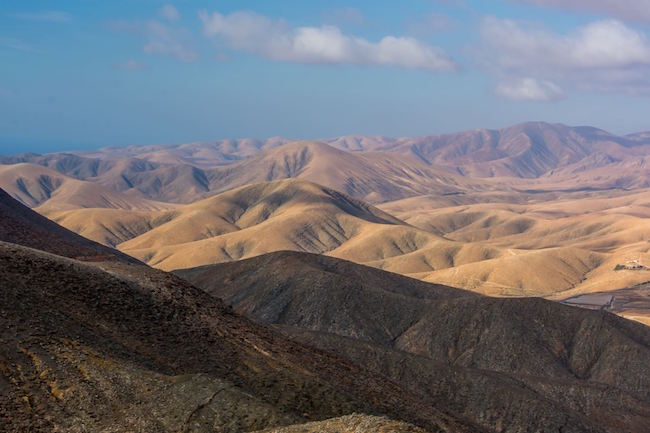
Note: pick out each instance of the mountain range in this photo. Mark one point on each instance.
(94, 340)
(376, 169)
(535, 209)
(99, 342)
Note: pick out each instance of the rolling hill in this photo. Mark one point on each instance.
(482, 247)
(38, 186)
(533, 209)
(372, 177)
(480, 354)
(581, 237)
(527, 150)
(112, 345)
(260, 218)
(527, 158)
(96, 345)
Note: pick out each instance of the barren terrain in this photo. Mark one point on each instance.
(532, 210)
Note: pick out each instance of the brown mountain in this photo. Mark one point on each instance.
(38, 186)
(529, 157)
(527, 150)
(372, 177)
(281, 215)
(123, 347)
(371, 168)
(109, 345)
(484, 247)
(205, 154)
(333, 295)
(20, 225)
(569, 199)
(480, 354)
(134, 177)
(368, 178)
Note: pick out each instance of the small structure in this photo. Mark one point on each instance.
(631, 265)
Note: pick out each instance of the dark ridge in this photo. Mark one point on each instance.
(545, 362)
(138, 349)
(23, 226)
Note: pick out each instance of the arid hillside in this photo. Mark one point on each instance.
(108, 344)
(537, 358)
(112, 345)
(528, 150)
(535, 209)
(371, 177)
(37, 186)
(502, 248)
(355, 423)
(21, 225)
(529, 157)
(591, 241)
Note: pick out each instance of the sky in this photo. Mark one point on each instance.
(85, 74)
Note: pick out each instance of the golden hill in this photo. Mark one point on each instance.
(35, 185)
(252, 220)
(302, 216)
(373, 177)
(102, 343)
(282, 215)
(534, 209)
(561, 246)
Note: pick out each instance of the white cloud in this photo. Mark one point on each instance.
(160, 38)
(602, 55)
(44, 16)
(170, 13)
(276, 40)
(163, 39)
(634, 10)
(529, 89)
(601, 44)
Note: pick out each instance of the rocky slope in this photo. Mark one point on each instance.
(114, 346)
(547, 363)
(20, 225)
(355, 423)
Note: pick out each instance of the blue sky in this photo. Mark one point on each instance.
(85, 74)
